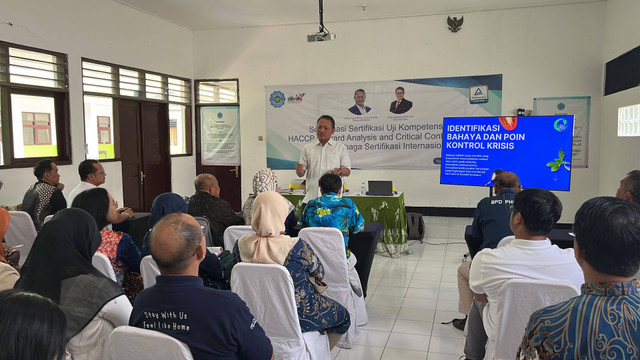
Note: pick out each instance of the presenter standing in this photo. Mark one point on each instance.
(321, 156)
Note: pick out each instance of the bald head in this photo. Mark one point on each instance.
(207, 183)
(176, 244)
(507, 180)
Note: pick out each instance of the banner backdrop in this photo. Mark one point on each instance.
(386, 136)
(580, 108)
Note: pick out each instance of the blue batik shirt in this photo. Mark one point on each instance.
(602, 323)
(330, 210)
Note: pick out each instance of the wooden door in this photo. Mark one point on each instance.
(144, 152)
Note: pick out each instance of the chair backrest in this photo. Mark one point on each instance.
(149, 270)
(22, 232)
(518, 299)
(328, 244)
(235, 232)
(206, 229)
(101, 262)
(47, 218)
(269, 293)
(132, 343)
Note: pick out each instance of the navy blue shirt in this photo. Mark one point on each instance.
(216, 324)
(491, 220)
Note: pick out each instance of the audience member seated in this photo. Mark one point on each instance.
(602, 323)
(92, 175)
(331, 210)
(207, 202)
(269, 246)
(8, 275)
(490, 225)
(216, 324)
(118, 247)
(59, 268)
(169, 203)
(45, 196)
(630, 187)
(529, 256)
(31, 327)
(266, 180)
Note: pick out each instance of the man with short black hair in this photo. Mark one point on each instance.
(215, 324)
(630, 187)
(359, 108)
(92, 175)
(490, 225)
(45, 196)
(331, 210)
(601, 323)
(529, 256)
(401, 105)
(321, 156)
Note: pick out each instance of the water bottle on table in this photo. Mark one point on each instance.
(363, 189)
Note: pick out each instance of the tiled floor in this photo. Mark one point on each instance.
(409, 297)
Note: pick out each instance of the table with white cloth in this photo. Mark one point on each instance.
(386, 210)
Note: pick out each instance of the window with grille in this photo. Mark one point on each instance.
(35, 121)
(104, 82)
(629, 121)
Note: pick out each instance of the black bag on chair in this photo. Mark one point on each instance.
(415, 226)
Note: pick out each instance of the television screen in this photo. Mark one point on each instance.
(536, 148)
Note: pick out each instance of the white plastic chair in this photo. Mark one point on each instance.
(47, 218)
(21, 233)
(132, 343)
(235, 232)
(328, 244)
(518, 299)
(101, 262)
(149, 270)
(269, 293)
(206, 229)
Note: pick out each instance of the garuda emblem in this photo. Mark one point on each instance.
(454, 24)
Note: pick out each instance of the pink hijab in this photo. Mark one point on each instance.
(267, 245)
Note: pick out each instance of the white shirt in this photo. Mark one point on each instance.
(77, 190)
(93, 341)
(319, 159)
(363, 109)
(521, 259)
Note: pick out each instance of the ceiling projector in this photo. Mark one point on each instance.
(321, 36)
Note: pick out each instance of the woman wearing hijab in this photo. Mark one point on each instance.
(8, 275)
(267, 246)
(117, 246)
(266, 180)
(59, 268)
(169, 203)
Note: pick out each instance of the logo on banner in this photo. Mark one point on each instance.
(561, 106)
(560, 125)
(219, 115)
(277, 99)
(295, 99)
(479, 94)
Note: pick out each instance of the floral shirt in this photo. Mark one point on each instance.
(121, 251)
(602, 323)
(330, 210)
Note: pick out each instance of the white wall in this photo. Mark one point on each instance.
(618, 155)
(101, 30)
(541, 51)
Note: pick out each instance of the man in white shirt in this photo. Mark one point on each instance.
(92, 175)
(321, 156)
(529, 256)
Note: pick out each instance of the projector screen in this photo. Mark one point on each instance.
(536, 148)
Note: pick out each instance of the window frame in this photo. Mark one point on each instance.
(116, 94)
(61, 104)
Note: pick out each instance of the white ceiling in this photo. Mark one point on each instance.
(229, 14)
